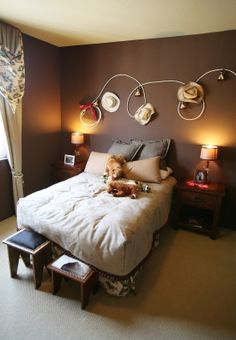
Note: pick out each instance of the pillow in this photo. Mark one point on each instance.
(96, 163)
(166, 173)
(152, 148)
(127, 150)
(145, 170)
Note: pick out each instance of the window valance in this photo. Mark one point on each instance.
(12, 70)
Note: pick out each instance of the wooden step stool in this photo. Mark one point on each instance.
(29, 245)
(70, 268)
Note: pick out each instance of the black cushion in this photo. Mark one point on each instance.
(28, 239)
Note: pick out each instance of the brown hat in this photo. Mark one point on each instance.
(191, 92)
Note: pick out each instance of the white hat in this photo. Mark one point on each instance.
(144, 113)
(191, 92)
(110, 102)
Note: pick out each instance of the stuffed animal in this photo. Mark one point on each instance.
(120, 188)
(114, 167)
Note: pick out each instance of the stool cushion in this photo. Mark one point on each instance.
(28, 239)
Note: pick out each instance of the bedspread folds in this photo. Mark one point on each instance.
(110, 233)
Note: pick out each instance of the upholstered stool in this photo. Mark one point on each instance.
(29, 245)
(70, 268)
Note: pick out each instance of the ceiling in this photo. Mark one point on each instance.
(79, 22)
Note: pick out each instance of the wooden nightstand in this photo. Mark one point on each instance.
(62, 171)
(198, 207)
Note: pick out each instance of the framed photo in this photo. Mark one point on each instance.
(200, 176)
(69, 159)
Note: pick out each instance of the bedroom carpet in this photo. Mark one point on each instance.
(187, 290)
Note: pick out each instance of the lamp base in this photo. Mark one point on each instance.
(77, 154)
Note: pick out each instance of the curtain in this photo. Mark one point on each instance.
(12, 84)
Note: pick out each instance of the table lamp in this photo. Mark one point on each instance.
(77, 138)
(208, 153)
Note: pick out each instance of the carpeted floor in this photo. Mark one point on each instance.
(187, 290)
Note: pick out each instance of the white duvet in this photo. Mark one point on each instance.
(112, 234)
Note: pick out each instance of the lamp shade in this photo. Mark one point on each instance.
(209, 152)
(77, 138)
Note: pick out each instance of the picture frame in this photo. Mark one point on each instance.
(69, 159)
(200, 176)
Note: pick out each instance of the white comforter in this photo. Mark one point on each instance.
(112, 234)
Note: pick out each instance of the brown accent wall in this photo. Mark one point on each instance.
(85, 69)
(41, 125)
(6, 198)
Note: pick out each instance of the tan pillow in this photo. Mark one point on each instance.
(96, 163)
(166, 173)
(145, 170)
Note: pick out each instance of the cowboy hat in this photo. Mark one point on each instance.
(110, 102)
(144, 113)
(191, 92)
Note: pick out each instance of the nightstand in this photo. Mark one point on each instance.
(198, 206)
(63, 171)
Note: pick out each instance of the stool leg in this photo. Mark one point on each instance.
(13, 255)
(37, 269)
(56, 282)
(84, 295)
(40, 260)
(48, 257)
(87, 287)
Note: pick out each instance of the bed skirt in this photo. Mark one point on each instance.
(115, 285)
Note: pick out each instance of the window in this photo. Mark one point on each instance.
(2, 141)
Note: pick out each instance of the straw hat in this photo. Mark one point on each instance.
(110, 102)
(191, 92)
(144, 113)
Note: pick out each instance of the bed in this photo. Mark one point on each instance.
(114, 235)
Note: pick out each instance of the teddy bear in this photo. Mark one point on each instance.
(114, 167)
(120, 188)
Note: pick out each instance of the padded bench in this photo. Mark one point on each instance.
(29, 245)
(70, 268)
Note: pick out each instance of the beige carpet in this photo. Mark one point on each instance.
(187, 290)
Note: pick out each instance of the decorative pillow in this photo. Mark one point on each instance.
(127, 150)
(145, 170)
(166, 173)
(152, 148)
(96, 163)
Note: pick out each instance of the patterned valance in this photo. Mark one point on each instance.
(12, 70)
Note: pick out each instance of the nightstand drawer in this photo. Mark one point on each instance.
(198, 199)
